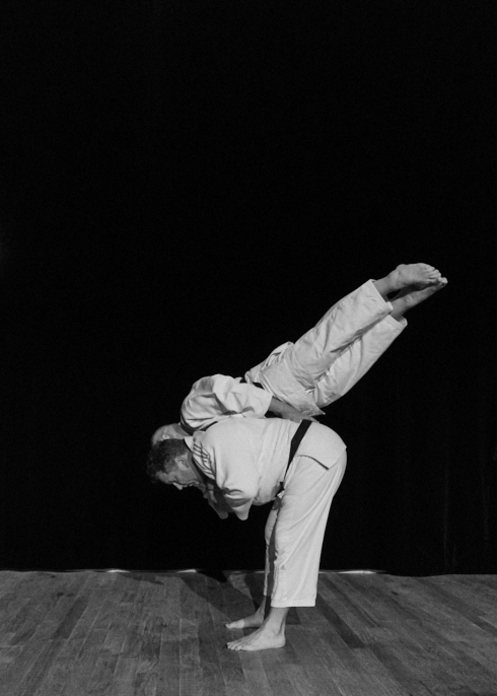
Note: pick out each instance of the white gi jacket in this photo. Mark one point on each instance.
(247, 457)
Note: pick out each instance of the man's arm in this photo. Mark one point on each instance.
(228, 452)
(218, 396)
(215, 498)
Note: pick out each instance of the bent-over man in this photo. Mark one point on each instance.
(241, 462)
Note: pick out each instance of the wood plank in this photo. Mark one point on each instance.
(83, 666)
(169, 661)
(146, 674)
(383, 678)
(277, 665)
(401, 671)
(423, 639)
(101, 678)
(128, 680)
(434, 659)
(344, 669)
(225, 601)
(145, 680)
(146, 634)
(460, 605)
(54, 681)
(31, 601)
(209, 645)
(316, 669)
(33, 631)
(331, 587)
(251, 586)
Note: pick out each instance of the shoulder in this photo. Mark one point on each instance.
(227, 426)
(233, 428)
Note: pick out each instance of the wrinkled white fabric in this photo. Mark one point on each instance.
(219, 396)
(247, 457)
(332, 356)
(295, 530)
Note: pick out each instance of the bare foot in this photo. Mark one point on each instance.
(411, 296)
(262, 639)
(253, 621)
(405, 275)
(419, 274)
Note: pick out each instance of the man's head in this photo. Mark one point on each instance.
(170, 461)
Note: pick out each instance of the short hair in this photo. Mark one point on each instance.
(162, 457)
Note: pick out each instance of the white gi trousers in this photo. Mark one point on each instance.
(295, 530)
(332, 356)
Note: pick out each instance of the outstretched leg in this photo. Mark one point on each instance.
(360, 356)
(349, 319)
(411, 296)
(314, 352)
(293, 371)
(355, 361)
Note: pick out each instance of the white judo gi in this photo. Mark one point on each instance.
(247, 460)
(322, 366)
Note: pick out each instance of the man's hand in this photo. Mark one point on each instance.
(286, 411)
(215, 498)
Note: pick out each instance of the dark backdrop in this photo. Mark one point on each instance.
(185, 185)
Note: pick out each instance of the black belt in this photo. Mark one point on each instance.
(294, 444)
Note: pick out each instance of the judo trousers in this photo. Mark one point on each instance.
(295, 530)
(329, 359)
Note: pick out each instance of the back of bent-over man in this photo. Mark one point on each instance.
(246, 460)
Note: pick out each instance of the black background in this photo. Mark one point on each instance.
(184, 186)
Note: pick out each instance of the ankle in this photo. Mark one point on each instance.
(273, 628)
(276, 620)
(399, 308)
(260, 611)
(384, 286)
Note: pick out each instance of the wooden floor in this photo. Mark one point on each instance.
(161, 634)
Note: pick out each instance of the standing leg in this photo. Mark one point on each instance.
(301, 518)
(257, 618)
